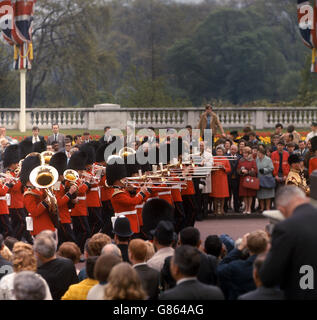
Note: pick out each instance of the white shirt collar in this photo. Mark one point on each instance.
(139, 264)
(185, 279)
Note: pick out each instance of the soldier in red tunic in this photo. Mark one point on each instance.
(92, 197)
(105, 194)
(64, 196)
(122, 201)
(35, 200)
(79, 212)
(11, 158)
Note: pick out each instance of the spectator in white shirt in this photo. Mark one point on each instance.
(163, 239)
(313, 133)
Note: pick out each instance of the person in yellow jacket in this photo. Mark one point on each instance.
(80, 290)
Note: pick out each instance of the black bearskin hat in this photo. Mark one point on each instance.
(116, 169)
(90, 151)
(78, 161)
(313, 142)
(293, 158)
(153, 212)
(28, 165)
(59, 162)
(131, 165)
(39, 146)
(26, 147)
(100, 153)
(11, 155)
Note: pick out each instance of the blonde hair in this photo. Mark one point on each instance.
(23, 258)
(150, 250)
(247, 149)
(6, 253)
(124, 284)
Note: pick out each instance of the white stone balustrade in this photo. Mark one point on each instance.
(99, 116)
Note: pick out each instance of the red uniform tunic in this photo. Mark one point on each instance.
(190, 189)
(92, 195)
(176, 192)
(219, 180)
(312, 165)
(165, 193)
(3, 199)
(124, 204)
(80, 208)
(33, 201)
(62, 201)
(105, 192)
(16, 195)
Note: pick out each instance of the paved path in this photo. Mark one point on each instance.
(235, 228)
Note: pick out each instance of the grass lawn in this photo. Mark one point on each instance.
(96, 134)
(48, 132)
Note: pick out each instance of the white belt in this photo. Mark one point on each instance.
(94, 189)
(125, 213)
(151, 198)
(81, 198)
(3, 198)
(164, 193)
(139, 206)
(177, 187)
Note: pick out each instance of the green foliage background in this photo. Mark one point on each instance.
(163, 53)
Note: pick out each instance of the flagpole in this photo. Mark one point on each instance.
(22, 125)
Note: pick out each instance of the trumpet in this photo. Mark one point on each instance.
(90, 178)
(7, 175)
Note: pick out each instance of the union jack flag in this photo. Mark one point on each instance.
(19, 16)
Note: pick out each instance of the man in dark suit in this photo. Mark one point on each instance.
(235, 274)
(292, 258)
(261, 292)
(150, 277)
(207, 272)
(35, 136)
(184, 267)
(107, 137)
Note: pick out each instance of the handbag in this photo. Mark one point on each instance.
(251, 183)
(267, 182)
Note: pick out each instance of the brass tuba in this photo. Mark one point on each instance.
(44, 177)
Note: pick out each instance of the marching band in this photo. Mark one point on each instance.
(84, 196)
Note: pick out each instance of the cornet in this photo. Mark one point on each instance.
(71, 175)
(46, 157)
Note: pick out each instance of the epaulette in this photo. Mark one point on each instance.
(117, 191)
(30, 191)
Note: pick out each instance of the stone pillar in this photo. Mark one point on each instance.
(107, 115)
(259, 119)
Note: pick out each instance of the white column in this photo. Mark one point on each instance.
(22, 124)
